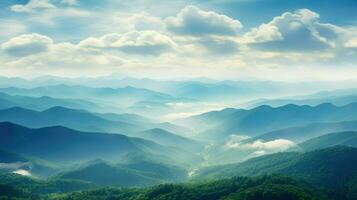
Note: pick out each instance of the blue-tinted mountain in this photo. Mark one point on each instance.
(302, 133)
(43, 102)
(125, 175)
(167, 138)
(329, 140)
(264, 119)
(8, 157)
(336, 100)
(121, 96)
(61, 116)
(61, 144)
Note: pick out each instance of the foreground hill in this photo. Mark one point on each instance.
(264, 119)
(126, 175)
(335, 166)
(64, 144)
(261, 188)
(332, 139)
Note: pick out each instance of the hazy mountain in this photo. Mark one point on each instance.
(125, 175)
(339, 101)
(166, 138)
(302, 133)
(44, 102)
(107, 175)
(331, 139)
(126, 117)
(264, 119)
(333, 166)
(121, 96)
(63, 144)
(8, 157)
(61, 116)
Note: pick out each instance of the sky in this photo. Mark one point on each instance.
(166, 39)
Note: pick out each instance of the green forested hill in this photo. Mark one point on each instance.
(333, 166)
(260, 188)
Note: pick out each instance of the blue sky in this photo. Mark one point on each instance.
(223, 39)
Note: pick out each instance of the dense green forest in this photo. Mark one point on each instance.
(264, 188)
(322, 174)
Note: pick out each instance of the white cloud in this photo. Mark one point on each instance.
(195, 22)
(22, 172)
(260, 146)
(32, 5)
(10, 28)
(135, 42)
(27, 44)
(298, 31)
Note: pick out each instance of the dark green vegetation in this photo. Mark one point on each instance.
(333, 167)
(261, 188)
(322, 174)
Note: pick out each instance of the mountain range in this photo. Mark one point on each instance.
(263, 119)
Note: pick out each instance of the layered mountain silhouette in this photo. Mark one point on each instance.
(302, 133)
(60, 144)
(44, 102)
(125, 175)
(259, 120)
(61, 116)
(167, 138)
(329, 140)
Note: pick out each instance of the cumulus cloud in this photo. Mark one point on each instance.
(259, 146)
(32, 5)
(195, 22)
(297, 31)
(27, 44)
(135, 42)
(11, 28)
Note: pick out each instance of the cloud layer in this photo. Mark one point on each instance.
(187, 39)
(26, 45)
(196, 22)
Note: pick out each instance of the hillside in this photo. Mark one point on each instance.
(64, 144)
(166, 138)
(125, 175)
(61, 116)
(333, 166)
(332, 139)
(261, 188)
